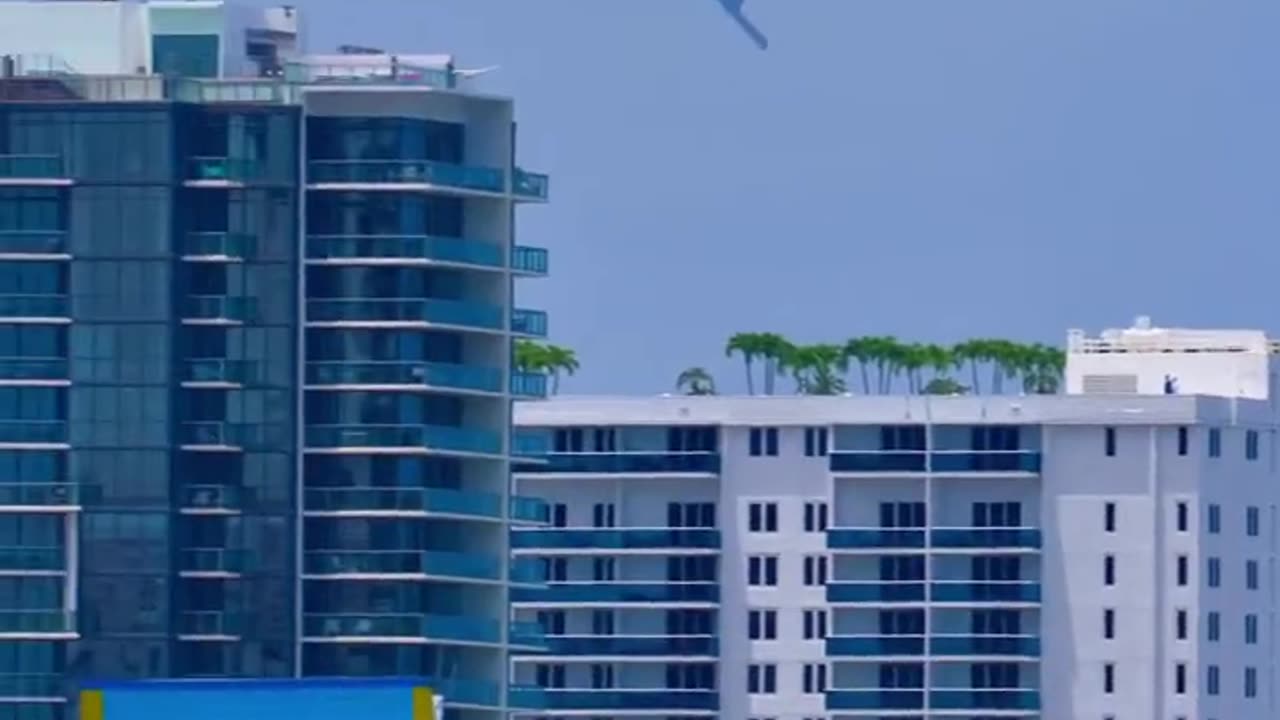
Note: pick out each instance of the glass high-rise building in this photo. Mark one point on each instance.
(256, 319)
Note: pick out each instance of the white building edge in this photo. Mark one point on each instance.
(1101, 554)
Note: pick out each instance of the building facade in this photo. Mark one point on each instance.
(1049, 557)
(255, 359)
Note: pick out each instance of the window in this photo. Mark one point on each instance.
(1180, 624)
(1180, 678)
(903, 514)
(762, 625)
(1251, 574)
(763, 441)
(1182, 440)
(1109, 678)
(691, 515)
(1184, 570)
(1183, 520)
(815, 678)
(815, 570)
(762, 679)
(1215, 572)
(1109, 624)
(1215, 442)
(997, 514)
(1109, 570)
(601, 677)
(550, 676)
(1211, 681)
(1213, 628)
(552, 621)
(1109, 441)
(771, 441)
(1251, 521)
(602, 622)
(559, 515)
(1251, 629)
(1250, 444)
(1250, 682)
(556, 569)
(604, 569)
(815, 624)
(762, 570)
(815, 517)
(815, 441)
(604, 515)
(1215, 519)
(762, 517)
(1109, 517)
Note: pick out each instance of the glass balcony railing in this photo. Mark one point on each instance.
(213, 244)
(404, 499)
(465, 692)
(983, 592)
(1018, 645)
(838, 538)
(212, 434)
(210, 622)
(375, 310)
(33, 242)
(427, 437)
(620, 592)
(402, 562)
(32, 558)
(529, 260)
(529, 322)
(643, 463)
(33, 368)
(30, 685)
(412, 172)
(985, 461)
(530, 444)
(875, 592)
(212, 560)
(35, 167)
(529, 635)
(37, 621)
(219, 308)
(408, 625)
(41, 432)
(875, 645)
(211, 497)
(527, 697)
(404, 247)
(444, 375)
(367, 73)
(617, 539)
(639, 699)
(633, 645)
(877, 462)
(222, 169)
(529, 384)
(985, 537)
(530, 510)
(218, 370)
(39, 494)
(985, 699)
(531, 185)
(528, 571)
(41, 306)
(875, 699)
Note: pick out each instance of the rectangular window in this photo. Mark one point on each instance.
(815, 570)
(1109, 678)
(1251, 521)
(815, 678)
(762, 517)
(1184, 570)
(604, 569)
(1213, 629)
(602, 622)
(1180, 624)
(1180, 679)
(601, 677)
(1250, 629)
(762, 679)
(1215, 519)
(815, 442)
(604, 515)
(1250, 682)
(771, 441)
(1250, 444)
(550, 676)
(1109, 517)
(1182, 440)
(1215, 572)
(1183, 519)
(1215, 442)
(1109, 441)
(1251, 574)
(1109, 624)
(559, 515)
(1211, 680)
(756, 441)
(815, 624)
(762, 624)
(762, 571)
(815, 517)
(1109, 570)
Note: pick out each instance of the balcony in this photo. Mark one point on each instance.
(530, 510)
(39, 494)
(406, 172)
(218, 371)
(213, 434)
(402, 562)
(875, 645)
(875, 699)
(633, 645)
(986, 538)
(532, 323)
(530, 185)
(528, 571)
(616, 593)
(996, 645)
(985, 699)
(19, 169)
(407, 248)
(210, 623)
(527, 635)
(475, 378)
(33, 432)
(30, 685)
(221, 170)
(639, 699)
(875, 592)
(458, 313)
(526, 260)
(210, 498)
(877, 462)
(617, 539)
(632, 463)
(421, 437)
(530, 445)
(214, 245)
(35, 306)
(217, 309)
(33, 242)
(1017, 461)
(530, 385)
(527, 697)
(419, 500)
(213, 561)
(406, 625)
(985, 592)
(875, 538)
(35, 559)
(368, 73)
(42, 622)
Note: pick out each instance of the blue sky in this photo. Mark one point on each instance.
(931, 170)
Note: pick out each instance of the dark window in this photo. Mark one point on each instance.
(1182, 441)
(1109, 441)
(1109, 570)
(1109, 517)
(1109, 624)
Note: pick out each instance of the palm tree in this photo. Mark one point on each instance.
(1042, 368)
(529, 357)
(944, 386)
(863, 350)
(750, 346)
(913, 358)
(939, 359)
(975, 352)
(559, 360)
(774, 349)
(886, 353)
(696, 381)
(818, 369)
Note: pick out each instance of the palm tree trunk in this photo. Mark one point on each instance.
(866, 378)
(751, 386)
(770, 370)
(555, 382)
(973, 368)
